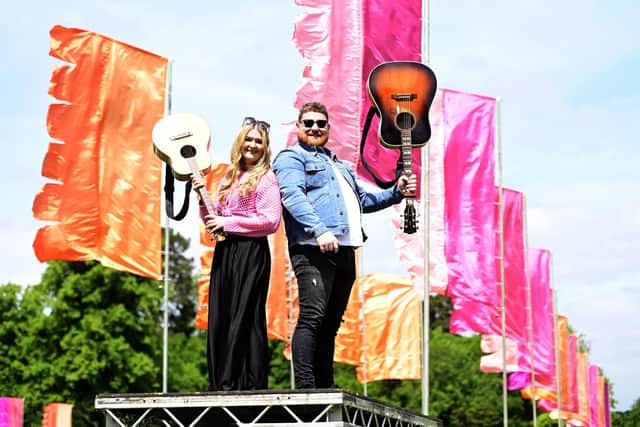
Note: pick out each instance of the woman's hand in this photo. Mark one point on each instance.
(198, 183)
(214, 223)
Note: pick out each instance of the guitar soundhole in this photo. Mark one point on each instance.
(405, 120)
(188, 151)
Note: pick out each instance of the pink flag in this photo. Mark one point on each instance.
(468, 129)
(340, 43)
(392, 31)
(492, 362)
(410, 247)
(469, 191)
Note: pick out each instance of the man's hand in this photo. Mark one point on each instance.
(408, 185)
(327, 242)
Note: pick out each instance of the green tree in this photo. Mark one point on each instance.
(630, 418)
(187, 370)
(440, 307)
(183, 285)
(84, 330)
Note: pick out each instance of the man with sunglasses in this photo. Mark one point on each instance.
(323, 204)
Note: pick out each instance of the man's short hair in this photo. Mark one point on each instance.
(315, 107)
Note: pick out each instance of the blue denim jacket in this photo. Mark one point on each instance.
(311, 193)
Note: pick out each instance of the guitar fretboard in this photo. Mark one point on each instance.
(204, 194)
(407, 155)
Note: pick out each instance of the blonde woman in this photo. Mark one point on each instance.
(247, 209)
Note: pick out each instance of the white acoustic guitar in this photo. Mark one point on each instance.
(182, 141)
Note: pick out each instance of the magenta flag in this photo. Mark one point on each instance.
(470, 317)
(515, 281)
(593, 395)
(469, 191)
(542, 314)
(11, 414)
(607, 406)
(515, 284)
(572, 377)
(518, 380)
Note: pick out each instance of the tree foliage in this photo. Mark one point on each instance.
(86, 330)
(627, 418)
(183, 295)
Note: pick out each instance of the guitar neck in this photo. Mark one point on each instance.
(407, 155)
(202, 192)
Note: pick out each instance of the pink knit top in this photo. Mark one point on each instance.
(255, 215)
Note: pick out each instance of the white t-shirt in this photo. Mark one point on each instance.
(354, 236)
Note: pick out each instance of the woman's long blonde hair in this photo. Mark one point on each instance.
(237, 166)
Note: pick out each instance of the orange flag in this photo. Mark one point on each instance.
(389, 308)
(583, 388)
(282, 300)
(349, 341)
(206, 256)
(547, 389)
(57, 415)
(601, 401)
(105, 204)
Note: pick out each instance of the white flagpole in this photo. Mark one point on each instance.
(527, 271)
(426, 327)
(505, 409)
(165, 336)
(556, 333)
(363, 324)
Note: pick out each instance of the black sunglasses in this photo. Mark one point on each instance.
(308, 123)
(251, 121)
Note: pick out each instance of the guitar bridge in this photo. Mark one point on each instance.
(181, 136)
(403, 97)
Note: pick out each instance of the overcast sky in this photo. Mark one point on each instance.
(567, 74)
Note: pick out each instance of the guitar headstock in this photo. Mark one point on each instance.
(410, 222)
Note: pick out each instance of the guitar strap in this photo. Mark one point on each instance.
(365, 131)
(168, 195)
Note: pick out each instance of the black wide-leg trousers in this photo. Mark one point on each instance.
(237, 347)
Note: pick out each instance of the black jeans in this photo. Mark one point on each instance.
(324, 284)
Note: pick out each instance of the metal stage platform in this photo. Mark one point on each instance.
(277, 408)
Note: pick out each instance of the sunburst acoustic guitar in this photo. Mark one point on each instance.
(402, 93)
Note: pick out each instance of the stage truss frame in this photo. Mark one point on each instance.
(275, 408)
